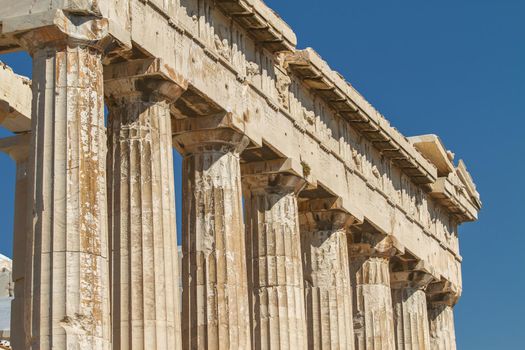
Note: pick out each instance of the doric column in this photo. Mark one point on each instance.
(441, 298)
(215, 309)
(373, 314)
(143, 233)
(18, 149)
(442, 333)
(327, 276)
(274, 260)
(410, 308)
(68, 288)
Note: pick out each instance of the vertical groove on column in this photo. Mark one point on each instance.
(328, 290)
(215, 295)
(410, 319)
(276, 277)
(373, 315)
(21, 235)
(442, 333)
(145, 263)
(69, 282)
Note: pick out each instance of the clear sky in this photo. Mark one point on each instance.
(453, 68)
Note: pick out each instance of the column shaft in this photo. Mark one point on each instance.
(18, 148)
(22, 229)
(327, 281)
(215, 294)
(69, 292)
(370, 273)
(145, 272)
(274, 258)
(411, 319)
(442, 334)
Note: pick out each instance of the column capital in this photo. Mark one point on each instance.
(368, 244)
(443, 293)
(223, 140)
(69, 29)
(17, 147)
(410, 273)
(146, 80)
(272, 176)
(325, 214)
(410, 279)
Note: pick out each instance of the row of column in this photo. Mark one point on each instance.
(290, 279)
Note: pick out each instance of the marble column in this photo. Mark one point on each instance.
(410, 309)
(143, 231)
(215, 308)
(274, 261)
(17, 147)
(67, 258)
(327, 279)
(370, 274)
(441, 323)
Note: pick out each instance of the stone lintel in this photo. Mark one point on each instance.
(17, 147)
(150, 78)
(73, 20)
(15, 100)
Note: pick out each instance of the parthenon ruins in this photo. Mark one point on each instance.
(308, 221)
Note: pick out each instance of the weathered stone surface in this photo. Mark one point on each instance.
(6, 295)
(442, 332)
(68, 287)
(246, 96)
(215, 307)
(410, 309)
(18, 148)
(370, 273)
(274, 261)
(327, 279)
(15, 100)
(145, 268)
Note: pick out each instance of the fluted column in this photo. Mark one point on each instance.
(143, 232)
(327, 279)
(274, 261)
(442, 333)
(68, 291)
(373, 314)
(441, 298)
(215, 309)
(410, 309)
(18, 148)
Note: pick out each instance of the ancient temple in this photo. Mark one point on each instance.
(309, 222)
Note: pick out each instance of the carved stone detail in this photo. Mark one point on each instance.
(274, 261)
(327, 280)
(145, 276)
(442, 333)
(370, 275)
(68, 287)
(215, 306)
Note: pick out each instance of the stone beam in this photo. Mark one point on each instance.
(15, 100)
(273, 100)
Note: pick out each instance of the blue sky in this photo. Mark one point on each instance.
(453, 68)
